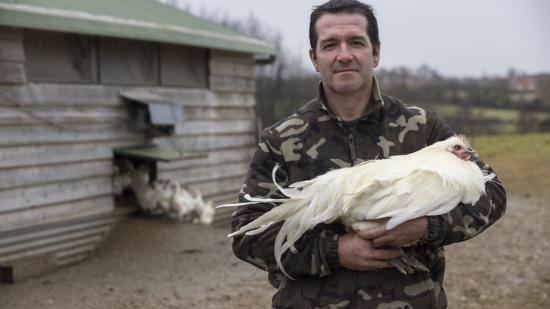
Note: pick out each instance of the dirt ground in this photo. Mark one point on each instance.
(157, 264)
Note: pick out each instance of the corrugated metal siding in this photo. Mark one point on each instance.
(147, 20)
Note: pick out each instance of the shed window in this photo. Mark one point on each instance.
(127, 62)
(183, 66)
(59, 57)
(64, 57)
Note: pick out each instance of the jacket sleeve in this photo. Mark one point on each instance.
(464, 221)
(316, 250)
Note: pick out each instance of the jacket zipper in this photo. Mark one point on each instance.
(353, 152)
(353, 156)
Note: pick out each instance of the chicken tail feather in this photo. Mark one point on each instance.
(489, 177)
(236, 204)
(289, 192)
(276, 214)
(254, 200)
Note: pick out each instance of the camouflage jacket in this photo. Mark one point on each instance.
(313, 141)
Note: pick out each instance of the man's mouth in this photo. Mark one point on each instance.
(345, 68)
(345, 71)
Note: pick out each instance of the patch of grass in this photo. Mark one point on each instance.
(522, 162)
(506, 114)
(506, 128)
(502, 114)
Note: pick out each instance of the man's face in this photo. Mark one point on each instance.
(344, 55)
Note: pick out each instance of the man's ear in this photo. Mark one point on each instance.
(314, 60)
(376, 55)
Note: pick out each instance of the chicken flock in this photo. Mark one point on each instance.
(431, 181)
(163, 196)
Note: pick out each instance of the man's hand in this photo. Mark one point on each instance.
(370, 249)
(357, 253)
(406, 233)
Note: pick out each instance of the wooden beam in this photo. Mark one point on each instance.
(208, 142)
(41, 234)
(75, 258)
(27, 197)
(35, 175)
(206, 173)
(67, 254)
(232, 57)
(108, 95)
(33, 155)
(232, 84)
(11, 115)
(214, 157)
(60, 95)
(26, 156)
(62, 114)
(93, 237)
(54, 213)
(13, 135)
(218, 113)
(202, 127)
(233, 69)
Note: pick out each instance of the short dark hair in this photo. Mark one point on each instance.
(347, 7)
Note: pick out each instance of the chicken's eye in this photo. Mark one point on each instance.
(457, 147)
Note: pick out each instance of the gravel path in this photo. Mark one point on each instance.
(151, 263)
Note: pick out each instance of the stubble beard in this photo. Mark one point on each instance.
(348, 86)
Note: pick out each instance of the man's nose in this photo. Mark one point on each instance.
(344, 53)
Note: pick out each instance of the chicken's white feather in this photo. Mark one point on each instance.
(430, 181)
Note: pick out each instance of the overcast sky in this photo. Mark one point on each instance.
(457, 38)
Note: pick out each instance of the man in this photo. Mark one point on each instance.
(352, 121)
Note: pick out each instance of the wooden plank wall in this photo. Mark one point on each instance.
(12, 57)
(226, 130)
(56, 141)
(56, 202)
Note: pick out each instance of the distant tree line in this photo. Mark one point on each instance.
(285, 85)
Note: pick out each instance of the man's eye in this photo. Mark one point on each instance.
(327, 46)
(358, 43)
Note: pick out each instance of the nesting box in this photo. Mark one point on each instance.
(151, 114)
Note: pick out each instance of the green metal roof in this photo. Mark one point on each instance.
(147, 20)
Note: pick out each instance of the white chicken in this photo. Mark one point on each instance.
(147, 194)
(428, 182)
(166, 189)
(205, 210)
(182, 205)
(168, 197)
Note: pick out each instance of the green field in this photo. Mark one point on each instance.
(501, 114)
(522, 162)
(493, 120)
(506, 115)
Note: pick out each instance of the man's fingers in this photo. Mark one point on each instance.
(386, 254)
(359, 254)
(384, 240)
(403, 234)
(372, 233)
(375, 265)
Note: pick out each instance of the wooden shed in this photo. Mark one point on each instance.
(67, 69)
